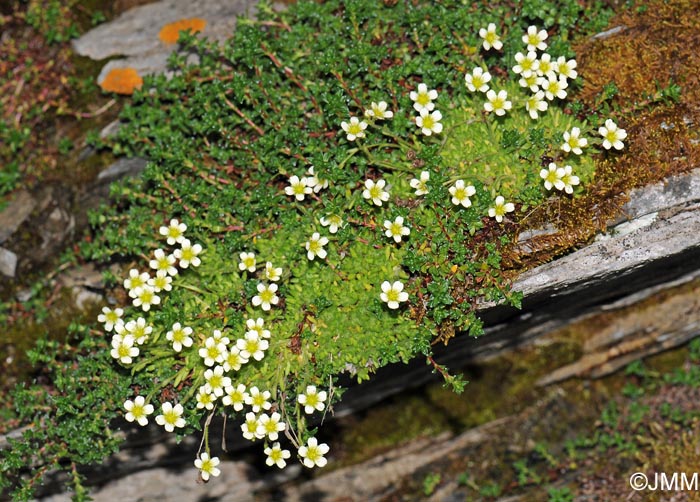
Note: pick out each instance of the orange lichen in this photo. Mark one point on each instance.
(122, 81)
(170, 33)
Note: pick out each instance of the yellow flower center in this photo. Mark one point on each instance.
(270, 426)
(213, 352)
(174, 232)
(392, 296)
(188, 254)
(375, 192)
(313, 453)
(314, 247)
(298, 190)
(311, 400)
(498, 103)
(137, 411)
(251, 346)
(460, 194)
(215, 381)
(112, 317)
(266, 295)
(276, 455)
(258, 400)
(236, 396)
(428, 122)
(491, 37)
(396, 229)
(478, 81)
(552, 177)
(170, 417)
(146, 296)
(423, 99)
(123, 351)
(354, 129)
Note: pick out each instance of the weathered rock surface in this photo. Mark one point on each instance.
(16, 212)
(134, 34)
(8, 262)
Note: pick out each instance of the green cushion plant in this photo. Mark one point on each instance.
(311, 213)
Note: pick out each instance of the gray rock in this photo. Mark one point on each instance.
(135, 33)
(15, 214)
(8, 262)
(122, 167)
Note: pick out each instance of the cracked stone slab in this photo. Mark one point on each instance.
(134, 34)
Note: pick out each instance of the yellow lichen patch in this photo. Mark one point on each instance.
(170, 33)
(122, 81)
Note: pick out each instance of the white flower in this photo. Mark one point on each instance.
(546, 67)
(248, 262)
(298, 187)
(535, 39)
(251, 427)
(501, 207)
(572, 141)
(171, 416)
(267, 296)
(258, 400)
(205, 399)
(421, 184)
(554, 87)
(235, 396)
(161, 282)
(216, 381)
(531, 82)
(460, 193)
(375, 192)
(313, 453)
(123, 348)
(393, 294)
(569, 180)
(527, 64)
(491, 39)
(175, 232)
(110, 317)
(312, 400)
(146, 297)
(138, 410)
(333, 222)
(612, 135)
(355, 129)
(276, 456)
(314, 246)
(135, 281)
(423, 98)
(252, 346)
(536, 103)
(396, 229)
(429, 122)
(179, 336)
(271, 425)
(497, 103)
(257, 326)
(477, 80)
(213, 352)
(187, 254)
(233, 359)
(312, 181)
(566, 68)
(139, 330)
(207, 466)
(271, 273)
(163, 262)
(378, 111)
(552, 177)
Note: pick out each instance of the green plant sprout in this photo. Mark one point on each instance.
(338, 278)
